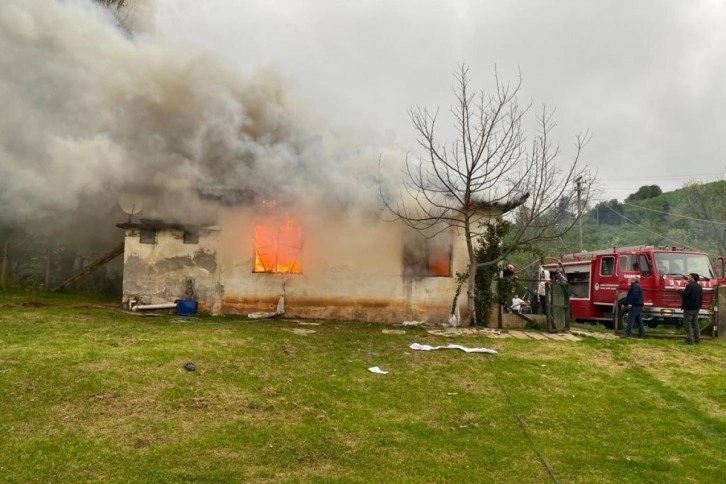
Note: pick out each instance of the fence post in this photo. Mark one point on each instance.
(720, 312)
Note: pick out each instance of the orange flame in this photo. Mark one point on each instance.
(440, 262)
(278, 247)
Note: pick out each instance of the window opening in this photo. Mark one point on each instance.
(191, 237)
(147, 236)
(607, 266)
(680, 264)
(427, 257)
(644, 265)
(278, 247)
(623, 263)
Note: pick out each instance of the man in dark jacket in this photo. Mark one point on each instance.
(634, 303)
(692, 299)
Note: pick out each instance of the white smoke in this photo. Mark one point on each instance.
(92, 113)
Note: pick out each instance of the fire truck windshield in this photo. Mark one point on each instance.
(681, 264)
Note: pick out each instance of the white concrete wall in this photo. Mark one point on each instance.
(157, 273)
(352, 268)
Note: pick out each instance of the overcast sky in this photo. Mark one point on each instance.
(646, 77)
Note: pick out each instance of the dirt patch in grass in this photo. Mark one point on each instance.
(32, 304)
(604, 359)
(123, 417)
(660, 361)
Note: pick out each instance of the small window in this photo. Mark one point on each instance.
(191, 237)
(278, 247)
(623, 263)
(147, 236)
(424, 257)
(607, 267)
(644, 265)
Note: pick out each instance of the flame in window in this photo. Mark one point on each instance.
(278, 247)
(426, 257)
(440, 261)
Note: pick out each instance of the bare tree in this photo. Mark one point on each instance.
(490, 168)
(120, 8)
(113, 4)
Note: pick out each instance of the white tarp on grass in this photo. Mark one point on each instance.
(420, 347)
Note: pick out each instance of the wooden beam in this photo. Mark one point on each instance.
(104, 259)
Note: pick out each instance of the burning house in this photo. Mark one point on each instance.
(322, 262)
(100, 113)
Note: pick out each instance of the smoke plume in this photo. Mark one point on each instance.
(93, 114)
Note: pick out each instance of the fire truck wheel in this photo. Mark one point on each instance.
(621, 315)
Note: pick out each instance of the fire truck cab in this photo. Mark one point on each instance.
(598, 281)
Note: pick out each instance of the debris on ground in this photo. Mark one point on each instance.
(393, 331)
(262, 315)
(411, 324)
(185, 319)
(420, 347)
(593, 334)
(375, 369)
(190, 366)
(299, 330)
(270, 314)
(463, 331)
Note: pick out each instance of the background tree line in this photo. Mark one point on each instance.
(693, 216)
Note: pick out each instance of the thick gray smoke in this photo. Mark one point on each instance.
(92, 114)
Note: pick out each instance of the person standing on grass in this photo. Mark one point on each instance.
(692, 300)
(542, 291)
(634, 303)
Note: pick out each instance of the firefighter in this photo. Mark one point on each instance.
(634, 303)
(692, 300)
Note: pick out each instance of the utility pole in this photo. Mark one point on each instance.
(578, 181)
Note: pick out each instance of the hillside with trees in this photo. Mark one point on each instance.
(693, 216)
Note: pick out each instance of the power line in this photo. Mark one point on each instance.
(652, 231)
(699, 178)
(671, 177)
(671, 214)
(522, 423)
(518, 416)
(675, 214)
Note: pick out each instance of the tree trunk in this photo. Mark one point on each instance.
(471, 292)
(471, 286)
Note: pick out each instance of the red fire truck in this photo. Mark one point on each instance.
(599, 280)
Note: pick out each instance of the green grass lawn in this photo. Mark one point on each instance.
(89, 393)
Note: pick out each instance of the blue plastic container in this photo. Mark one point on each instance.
(185, 307)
